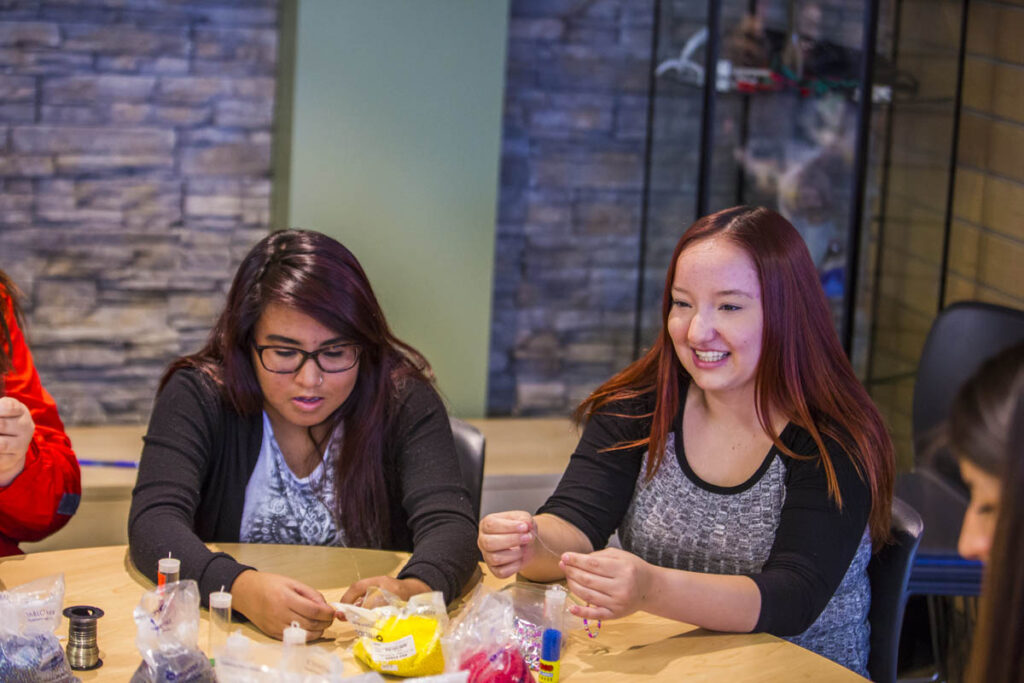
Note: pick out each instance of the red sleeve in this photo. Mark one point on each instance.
(43, 497)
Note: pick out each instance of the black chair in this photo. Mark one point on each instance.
(889, 571)
(469, 446)
(962, 337)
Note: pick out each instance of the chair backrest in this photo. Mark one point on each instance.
(889, 572)
(961, 338)
(469, 446)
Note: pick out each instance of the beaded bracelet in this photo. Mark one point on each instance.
(590, 633)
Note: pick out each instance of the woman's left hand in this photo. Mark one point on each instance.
(403, 588)
(614, 583)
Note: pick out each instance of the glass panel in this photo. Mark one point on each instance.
(910, 223)
(785, 128)
(675, 149)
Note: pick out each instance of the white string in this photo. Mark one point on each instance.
(539, 539)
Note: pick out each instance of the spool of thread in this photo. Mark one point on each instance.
(167, 570)
(82, 650)
(550, 653)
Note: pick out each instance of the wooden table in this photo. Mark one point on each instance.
(641, 647)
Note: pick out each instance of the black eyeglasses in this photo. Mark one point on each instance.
(285, 360)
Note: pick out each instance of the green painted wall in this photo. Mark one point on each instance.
(395, 132)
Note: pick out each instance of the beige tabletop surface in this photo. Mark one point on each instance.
(640, 647)
(533, 445)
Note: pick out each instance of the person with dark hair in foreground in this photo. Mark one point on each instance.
(303, 420)
(744, 466)
(40, 482)
(978, 432)
(985, 433)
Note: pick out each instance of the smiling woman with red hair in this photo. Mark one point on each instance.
(746, 469)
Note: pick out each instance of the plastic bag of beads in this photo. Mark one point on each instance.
(536, 607)
(29, 616)
(399, 638)
(481, 640)
(242, 660)
(167, 634)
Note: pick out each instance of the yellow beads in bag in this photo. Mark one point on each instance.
(403, 646)
(400, 638)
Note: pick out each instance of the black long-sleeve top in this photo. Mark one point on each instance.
(811, 548)
(199, 454)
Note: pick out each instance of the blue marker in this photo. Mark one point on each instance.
(550, 653)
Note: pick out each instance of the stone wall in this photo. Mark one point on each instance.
(569, 202)
(135, 147)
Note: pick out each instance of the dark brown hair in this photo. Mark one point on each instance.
(8, 292)
(978, 428)
(803, 372)
(998, 652)
(314, 274)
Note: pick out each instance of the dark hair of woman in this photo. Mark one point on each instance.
(979, 419)
(998, 652)
(803, 373)
(7, 291)
(314, 274)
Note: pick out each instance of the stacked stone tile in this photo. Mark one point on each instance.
(570, 197)
(135, 172)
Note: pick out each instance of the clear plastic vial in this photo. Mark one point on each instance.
(293, 659)
(220, 621)
(554, 607)
(167, 570)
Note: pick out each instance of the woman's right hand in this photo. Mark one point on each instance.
(16, 430)
(272, 602)
(506, 540)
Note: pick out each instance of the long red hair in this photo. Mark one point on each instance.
(803, 373)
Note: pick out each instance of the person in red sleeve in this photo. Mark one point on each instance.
(40, 483)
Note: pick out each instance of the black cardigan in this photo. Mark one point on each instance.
(199, 454)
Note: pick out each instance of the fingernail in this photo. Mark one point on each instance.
(524, 527)
(525, 538)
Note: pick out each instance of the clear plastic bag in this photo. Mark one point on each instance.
(400, 638)
(481, 640)
(536, 607)
(167, 633)
(242, 660)
(29, 650)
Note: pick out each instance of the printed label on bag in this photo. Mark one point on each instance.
(393, 651)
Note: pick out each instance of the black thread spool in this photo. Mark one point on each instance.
(82, 651)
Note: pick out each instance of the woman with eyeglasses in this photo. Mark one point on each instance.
(303, 420)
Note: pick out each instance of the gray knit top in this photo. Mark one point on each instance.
(716, 531)
(780, 528)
